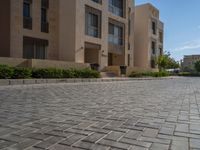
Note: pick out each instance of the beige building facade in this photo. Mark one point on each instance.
(189, 61)
(149, 31)
(82, 31)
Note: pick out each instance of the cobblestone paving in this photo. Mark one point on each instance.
(136, 115)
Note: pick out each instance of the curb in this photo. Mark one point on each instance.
(4, 82)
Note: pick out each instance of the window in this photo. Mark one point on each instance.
(97, 1)
(93, 22)
(44, 17)
(161, 37)
(153, 47)
(153, 63)
(115, 34)
(116, 7)
(161, 51)
(153, 27)
(129, 59)
(26, 9)
(34, 48)
(27, 20)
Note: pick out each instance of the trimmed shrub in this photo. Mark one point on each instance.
(88, 73)
(68, 73)
(59, 73)
(149, 74)
(47, 73)
(21, 73)
(135, 75)
(6, 72)
(160, 74)
(189, 74)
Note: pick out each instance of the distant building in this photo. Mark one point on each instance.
(189, 61)
(149, 33)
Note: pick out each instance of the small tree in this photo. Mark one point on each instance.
(197, 66)
(162, 62)
(165, 61)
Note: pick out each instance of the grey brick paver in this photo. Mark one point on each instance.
(114, 135)
(135, 142)
(157, 146)
(114, 144)
(26, 144)
(48, 143)
(132, 115)
(195, 143)
(179, 143)
(90, 146)
(72, 139)
(94, 137)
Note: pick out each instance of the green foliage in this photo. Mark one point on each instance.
(165, 61)
(149, 74)
(21, 73)
(60, 73)
(197, 66)
(69, 73)
(160, 74)
(47, 73)
(81, 73)
(189, 74)
(6, 72)
(88, 73)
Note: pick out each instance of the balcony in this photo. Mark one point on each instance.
(45, 27)
(115, 45)
(115, 10)
(27, 23)
(93, 31)
(115, 40)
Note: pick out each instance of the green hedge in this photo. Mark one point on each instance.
(149, 74)
(189, 74)
(7, 72)
(22, 73)
(47, 73)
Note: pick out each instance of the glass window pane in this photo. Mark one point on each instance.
(26, 9)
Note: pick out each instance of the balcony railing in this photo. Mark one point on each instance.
(93, 31)
(115, 40)
(115, 10)
(27, 23)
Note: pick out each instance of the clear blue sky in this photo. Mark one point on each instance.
(182, 25)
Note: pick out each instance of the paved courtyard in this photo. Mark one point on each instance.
(135, 115)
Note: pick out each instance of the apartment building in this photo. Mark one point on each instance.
(82, 31)
(189, 61)
(149, 31)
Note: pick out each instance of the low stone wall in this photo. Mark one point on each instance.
(36, 63)
(7, 82)
(14, 62)
(116, 70)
